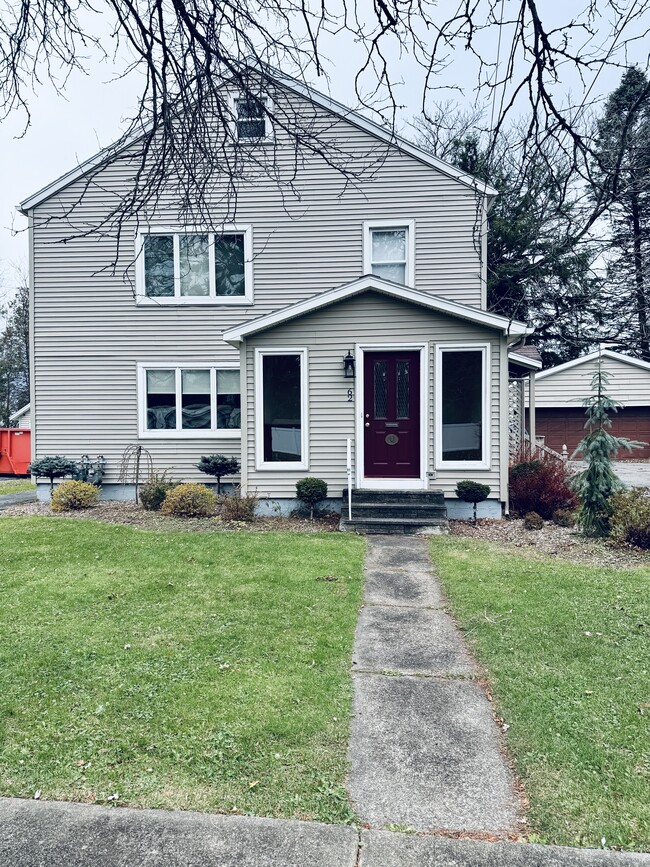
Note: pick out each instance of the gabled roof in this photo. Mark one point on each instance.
(523, 359)
(370, 283)
(20, 412)
(331, 105)
(593, 356)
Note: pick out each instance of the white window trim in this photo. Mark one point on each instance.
(421, 483)
(212, 299)
(187, 433)
(282, 466)
(268, 126)
(485, 349)
(397, 223)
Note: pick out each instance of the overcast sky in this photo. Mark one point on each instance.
(66, 129)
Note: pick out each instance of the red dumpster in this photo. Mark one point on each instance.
(15, 451)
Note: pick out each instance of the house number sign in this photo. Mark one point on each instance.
(392, 439)
(350, 395)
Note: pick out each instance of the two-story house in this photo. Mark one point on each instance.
(336, 319)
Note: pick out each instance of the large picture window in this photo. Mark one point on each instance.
(389, 250)
(462, 407)
(190, 401)
(281, 409)
(196, 268)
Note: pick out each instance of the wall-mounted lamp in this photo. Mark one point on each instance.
(348, 366)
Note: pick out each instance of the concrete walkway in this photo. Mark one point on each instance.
(425, 751)
(51, 834)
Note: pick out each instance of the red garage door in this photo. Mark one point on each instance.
(567, 426)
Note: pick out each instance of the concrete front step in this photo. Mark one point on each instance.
(365, 495)
(424, 511)
(396, 526)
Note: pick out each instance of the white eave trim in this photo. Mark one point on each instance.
(592, 356)
(20, 412)
(331, 105)
(235, 335)
(525, 361)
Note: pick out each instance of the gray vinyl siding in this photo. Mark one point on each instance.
(628, 384)
(88, 333)
(328, 334)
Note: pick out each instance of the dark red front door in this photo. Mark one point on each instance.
(391, 415)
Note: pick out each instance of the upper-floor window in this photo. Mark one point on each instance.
(251, 117)
(389, 250)
(189, 400)
(196, 267)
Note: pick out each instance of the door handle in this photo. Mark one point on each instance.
(367, 424)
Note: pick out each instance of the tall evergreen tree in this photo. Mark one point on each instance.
(622, 172)
(14, 355)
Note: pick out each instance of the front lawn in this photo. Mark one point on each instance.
(567, 651)
(202, 671)
(15, 486)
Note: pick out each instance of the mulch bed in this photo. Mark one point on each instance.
(120, 512)
(565, 543)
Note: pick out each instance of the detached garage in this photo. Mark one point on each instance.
(560, 392)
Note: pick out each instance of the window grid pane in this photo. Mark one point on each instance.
(194, 265)
(251, 118)
(228, 400)
(380, 387)
(159, 266)
(229, 265)
(196, 399)
(161, 400)
(403, 409)
(462, 406)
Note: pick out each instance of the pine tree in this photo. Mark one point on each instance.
(598, 481)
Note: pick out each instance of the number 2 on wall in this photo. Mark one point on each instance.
(350, 395)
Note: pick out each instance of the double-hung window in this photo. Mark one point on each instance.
(189, 400)
(196, 267)
(251, 118)
(389, 250)
(462, 406)
(281, 409)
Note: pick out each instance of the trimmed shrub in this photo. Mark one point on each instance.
(472, 492)
(564, 518)
(542, 487)
(154, 491)
(533, 521)
(218, 466)
(311, 492)
(630, 519)
(53, 467)
(238, 506)
(73, 495)
(189, 500)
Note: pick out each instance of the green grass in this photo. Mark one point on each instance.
(15, 486)
(567, 650)
(205, 671)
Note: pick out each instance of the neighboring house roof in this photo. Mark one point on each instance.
(368, 283)
(592, 356)
(354, 117)
(526, 356)
(20, 412)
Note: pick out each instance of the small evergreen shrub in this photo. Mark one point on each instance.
(73, 495)
(472, 492)
(189, 500)
(311, 492)
(630, 518)
(53, 467)
(218, 466)
(238, 506)
(542, 487)
(154, 491)
(533, 521)
(564, 518)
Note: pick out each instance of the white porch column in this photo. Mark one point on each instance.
(531, 414)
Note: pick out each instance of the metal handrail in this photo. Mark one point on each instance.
(349, 472)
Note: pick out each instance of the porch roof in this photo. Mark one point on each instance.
(370, 283)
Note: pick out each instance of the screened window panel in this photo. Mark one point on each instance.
(194, 265)
(282, 422)
(195, 400)
(396, 273)
(159, 266)
(462, 406)
(161, 400)
(229, 263)
(228, 400)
